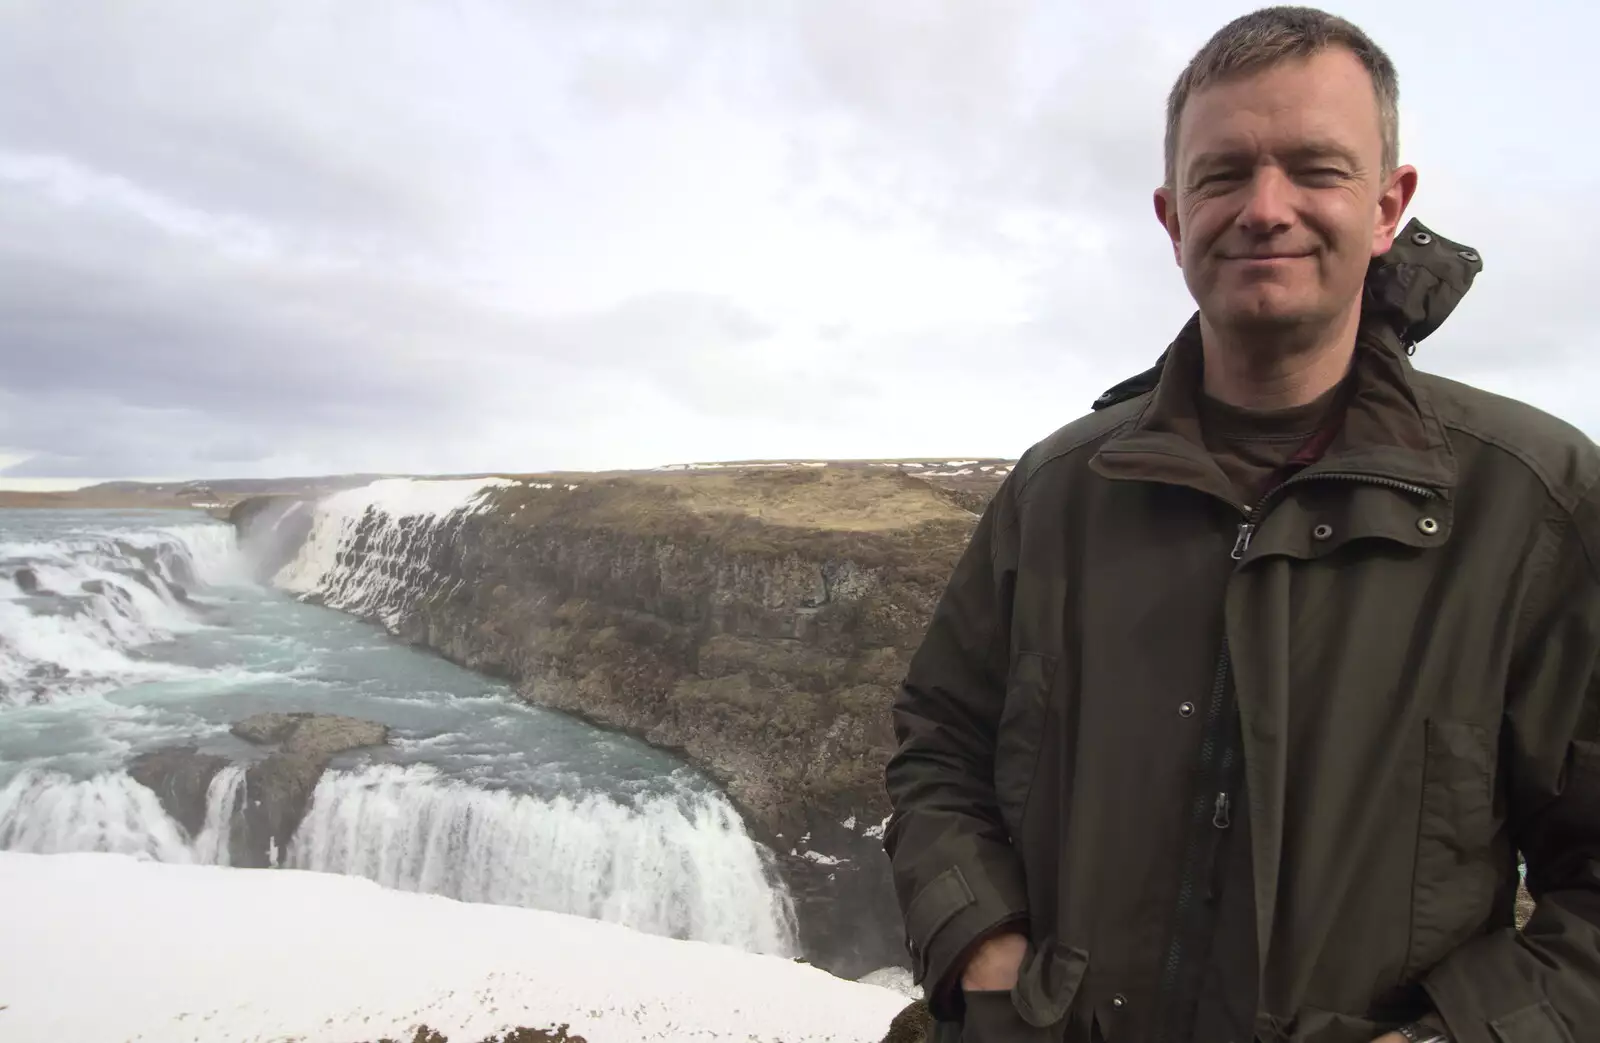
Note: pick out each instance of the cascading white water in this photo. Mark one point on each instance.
(210, 552)
(397, 523)
(46, 813)
(73, 609)
(679, 866)
(223, 799)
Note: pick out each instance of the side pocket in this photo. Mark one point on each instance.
(1454, 879)
(992, 1017)
(1021, 732)
(1311, 1025)
(1535, 1024)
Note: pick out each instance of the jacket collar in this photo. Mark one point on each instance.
(1390, 429)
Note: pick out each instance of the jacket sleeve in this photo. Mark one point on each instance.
(956, 874)
(1510, 987)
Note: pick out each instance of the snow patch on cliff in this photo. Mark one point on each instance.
(105, 948)
(413, 497)
(824, 860)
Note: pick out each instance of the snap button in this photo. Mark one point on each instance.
(1119, 1001)
(1467, 255)
(1322, 532)
(1421, 238)
(1428, 526)
(1186, 709)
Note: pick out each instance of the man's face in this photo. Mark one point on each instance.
(1279, 198)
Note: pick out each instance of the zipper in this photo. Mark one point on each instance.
(1253, 515)
(1212, 805)
(1241, 542)
(1220, 753)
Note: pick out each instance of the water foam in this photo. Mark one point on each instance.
(682, 867)
(677, 866)
(224, 801)
(72, 609)
(47, 813)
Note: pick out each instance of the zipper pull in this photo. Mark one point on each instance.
(1241, 542)
(1220, 818)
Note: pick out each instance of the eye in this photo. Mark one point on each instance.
(1323, 174)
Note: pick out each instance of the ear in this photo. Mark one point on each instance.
(1166, 201)
(1397, 193)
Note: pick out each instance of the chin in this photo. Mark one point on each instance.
(1258, 309)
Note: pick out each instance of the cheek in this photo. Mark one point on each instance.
(1346, 219)
(1201, 226)
(1202, 217)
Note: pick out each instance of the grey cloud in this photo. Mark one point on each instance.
(124, 345)
(386, 236)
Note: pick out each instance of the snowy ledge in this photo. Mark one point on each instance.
(106, 948)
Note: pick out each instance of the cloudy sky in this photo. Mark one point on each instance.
(430, 236)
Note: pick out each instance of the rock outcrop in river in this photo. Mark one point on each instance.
(276, 789)
(758, 619)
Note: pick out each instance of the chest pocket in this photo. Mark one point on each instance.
(1454, 881)
(1023, 727)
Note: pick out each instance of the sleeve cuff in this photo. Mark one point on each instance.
(954, 912)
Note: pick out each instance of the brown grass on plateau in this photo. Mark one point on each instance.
(825, 499)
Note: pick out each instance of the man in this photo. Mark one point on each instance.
(1254, 683)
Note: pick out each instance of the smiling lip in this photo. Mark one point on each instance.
(1263, 257)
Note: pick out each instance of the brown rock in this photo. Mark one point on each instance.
(312, 735)
(179, 776)
(278, 789)
(265, 729)
(911, 1025)
(1524, 906)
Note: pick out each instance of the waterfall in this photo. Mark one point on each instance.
(223, 803)
(46, 813)
(679, 865)
(368, 551)
(73, 608)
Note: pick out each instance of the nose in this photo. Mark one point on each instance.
(1269, 202)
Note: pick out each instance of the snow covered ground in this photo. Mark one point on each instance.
(100, 948)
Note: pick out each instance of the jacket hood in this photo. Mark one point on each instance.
(1411, 289)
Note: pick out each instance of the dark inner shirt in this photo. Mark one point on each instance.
(1250, 445)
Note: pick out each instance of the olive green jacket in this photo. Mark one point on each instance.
(1194, 747)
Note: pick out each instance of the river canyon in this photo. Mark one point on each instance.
(659, 699)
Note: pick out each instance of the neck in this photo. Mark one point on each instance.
(1277, 369)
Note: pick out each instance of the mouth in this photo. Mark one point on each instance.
(1265, 258)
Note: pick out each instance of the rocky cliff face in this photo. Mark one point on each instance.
(758, 620)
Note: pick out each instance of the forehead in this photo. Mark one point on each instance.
(1327, 98)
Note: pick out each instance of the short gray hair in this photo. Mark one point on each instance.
(1264, 38)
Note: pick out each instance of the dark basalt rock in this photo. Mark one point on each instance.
(180, 777)
(277, 789)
